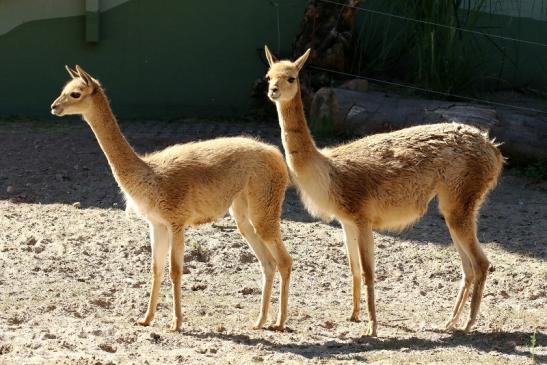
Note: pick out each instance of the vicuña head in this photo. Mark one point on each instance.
(282, 77)
(75, 97)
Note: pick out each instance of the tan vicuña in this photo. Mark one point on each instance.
(386, 181)
(190, 184)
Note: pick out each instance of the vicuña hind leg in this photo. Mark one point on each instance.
(468, 276)
(480, 267)
(266, 222)
(264, 199)
(267, 261)
(351, 237)
(463, 229)
(284, 266)
(160, 245)
(366, 253)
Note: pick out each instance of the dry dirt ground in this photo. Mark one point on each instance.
(74, 280)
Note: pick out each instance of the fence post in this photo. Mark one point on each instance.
(92, 21)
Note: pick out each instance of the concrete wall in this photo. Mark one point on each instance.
(157, 59)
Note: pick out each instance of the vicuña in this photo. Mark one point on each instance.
(386, 181)
(190, 184)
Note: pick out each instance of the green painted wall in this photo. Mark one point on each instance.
(156, 59)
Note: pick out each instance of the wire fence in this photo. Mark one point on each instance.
(445, 26)
(427, 90)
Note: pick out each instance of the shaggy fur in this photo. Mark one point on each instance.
(192, 184)
(386, 181)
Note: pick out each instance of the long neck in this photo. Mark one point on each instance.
(123, 160)
(299, 145)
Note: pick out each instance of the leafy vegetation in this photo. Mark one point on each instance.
(324, 129)
(533, 169)
(536, 170)
(441, 58)
(533, 343)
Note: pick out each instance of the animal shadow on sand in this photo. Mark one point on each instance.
(501, 342)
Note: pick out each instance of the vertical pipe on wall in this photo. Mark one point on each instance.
(92, 24)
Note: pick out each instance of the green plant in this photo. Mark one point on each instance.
(533, 343)
(442, 60)
(323, 128)
(199, 252)
(535, 170)
(424, 45)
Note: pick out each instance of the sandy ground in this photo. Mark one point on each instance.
(73, 280)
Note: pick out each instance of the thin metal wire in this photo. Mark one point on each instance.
(485, 101)
(377, 12)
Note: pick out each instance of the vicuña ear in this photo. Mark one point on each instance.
(302, 59)
(269, 56)
(84, 75)
(71, 72)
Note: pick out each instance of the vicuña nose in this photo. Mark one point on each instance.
(274, 89)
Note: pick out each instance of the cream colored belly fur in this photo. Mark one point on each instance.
(142, 208)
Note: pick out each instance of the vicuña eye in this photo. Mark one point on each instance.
(291, 80)
(75, 95)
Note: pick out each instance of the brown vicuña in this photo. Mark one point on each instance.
(190, 184)
(386, 181)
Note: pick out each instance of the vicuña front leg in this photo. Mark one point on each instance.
(351, 236)
(176, 235)
(366, 252)
(160, 245)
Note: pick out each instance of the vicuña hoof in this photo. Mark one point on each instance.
(371, 331)
(175, 325)
(277, 327)
(449, 325)
(468, 328)
(259, 324)
(144, 322)
(354, 317)
(453, 326)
